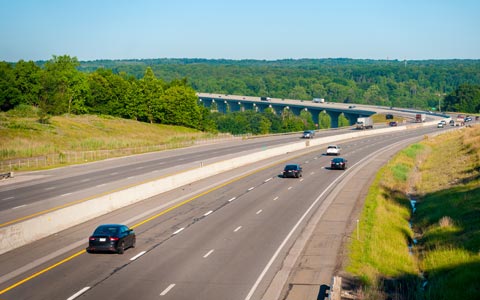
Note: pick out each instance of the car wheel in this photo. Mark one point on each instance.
(134, 242)
(121, 248)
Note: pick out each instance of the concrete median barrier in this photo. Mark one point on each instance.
(24, 232)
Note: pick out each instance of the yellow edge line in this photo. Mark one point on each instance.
(145, 221)
(87, 199)
(41, 272)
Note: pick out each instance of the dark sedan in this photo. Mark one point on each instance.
(292, 171)
(338, 163)
(111, 238)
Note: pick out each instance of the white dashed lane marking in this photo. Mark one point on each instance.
(165, 291)
(208, 253)
(179, 230)
(77, 294)
(138, 255)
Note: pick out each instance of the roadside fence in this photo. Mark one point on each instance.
(76, 157)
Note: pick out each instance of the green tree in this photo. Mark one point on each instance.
(343, 121)
(290, 122)
(64, 89)
(27, 81)
(275, 120)
(150, 95)
(10, 95)
(466, 98)
(307, 119)
(324, 120)
(181, 106)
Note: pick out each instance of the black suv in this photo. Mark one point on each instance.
(292, 171)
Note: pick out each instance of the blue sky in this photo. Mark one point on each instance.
(240, 29)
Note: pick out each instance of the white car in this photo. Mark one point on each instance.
(333, 150)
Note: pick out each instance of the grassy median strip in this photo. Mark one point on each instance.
(443, 175)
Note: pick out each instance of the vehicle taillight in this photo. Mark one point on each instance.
(113, 239)
(91, 238)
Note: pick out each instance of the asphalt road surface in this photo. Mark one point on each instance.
(224, 237)
(33, 192)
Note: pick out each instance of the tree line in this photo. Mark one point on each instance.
(157, 91)
(57, 87)
(411, 84)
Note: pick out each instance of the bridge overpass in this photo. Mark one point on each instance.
(225, 103)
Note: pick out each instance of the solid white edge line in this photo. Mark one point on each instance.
(20, 206)
(165, 291)
(67, 194)
(208, 212)
(284, 242)
(237, 229)
(78, 293)
(138, 255)
(232, 199)
(178, 231)
(208, 253)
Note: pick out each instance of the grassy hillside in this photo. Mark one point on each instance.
(443, 175)
(22, 136)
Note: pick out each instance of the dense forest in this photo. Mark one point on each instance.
(412, 84)
(163, 90)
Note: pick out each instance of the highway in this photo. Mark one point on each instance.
(34, 192)
(223, 237)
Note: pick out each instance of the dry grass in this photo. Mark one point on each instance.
(25, 137)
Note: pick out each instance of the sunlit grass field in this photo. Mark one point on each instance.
(443, 175)
(22, 136)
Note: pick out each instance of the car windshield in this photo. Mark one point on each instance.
(332, 147)
(291, 167)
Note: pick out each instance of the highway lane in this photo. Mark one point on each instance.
(52, 188)
(229, 234)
